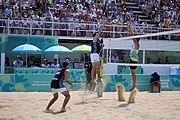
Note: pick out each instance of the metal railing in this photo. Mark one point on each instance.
(77, 29)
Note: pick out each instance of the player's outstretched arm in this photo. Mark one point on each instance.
(130, 30)
(99, 32)
(134, 39)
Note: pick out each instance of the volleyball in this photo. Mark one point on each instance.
(115, 21)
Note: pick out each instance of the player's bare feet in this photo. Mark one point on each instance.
(63, 110)
(48, 110)
(133, 87)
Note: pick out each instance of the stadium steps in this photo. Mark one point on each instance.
(136, 11)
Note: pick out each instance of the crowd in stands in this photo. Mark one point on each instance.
(164, 13)
(33, 13)
(65, 10)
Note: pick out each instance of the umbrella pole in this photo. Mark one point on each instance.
(84, 57)
(26, 59)
(58, 59)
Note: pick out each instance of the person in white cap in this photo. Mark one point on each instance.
(18, 62)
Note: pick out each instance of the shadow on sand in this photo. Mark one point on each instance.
(124, 105)
(53, 112)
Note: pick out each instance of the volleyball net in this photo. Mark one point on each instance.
(154, 55)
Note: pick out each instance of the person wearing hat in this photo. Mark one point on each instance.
(18, 62)
(45, 64)
(57, 85)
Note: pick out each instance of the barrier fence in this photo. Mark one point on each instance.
(77, 29)
(25, 79)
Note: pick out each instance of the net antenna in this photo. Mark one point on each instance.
(148, 35)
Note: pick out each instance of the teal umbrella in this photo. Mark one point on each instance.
(26, 48)
(57, 49)
(82, 48)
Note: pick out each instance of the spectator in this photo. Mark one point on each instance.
(45, 64)
(155, 81)
(76, 60)
(7, 63)
(68, 59)
(8, 12)
(167, 60)
(158, 61)
(55, 64)
(166, 24)
(115, 58)
(18, 62)
(82, 58)
(149, 61)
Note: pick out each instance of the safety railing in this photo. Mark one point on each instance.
(77, 29)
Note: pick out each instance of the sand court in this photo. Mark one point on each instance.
(148, 106)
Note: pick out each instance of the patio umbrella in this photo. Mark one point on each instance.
(57, 49)
(82, 48)
(26, 48)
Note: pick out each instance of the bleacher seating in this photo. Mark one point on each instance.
(79, 18)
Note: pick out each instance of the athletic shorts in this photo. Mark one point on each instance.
(56, 90)
(133, 62)
(94, 57)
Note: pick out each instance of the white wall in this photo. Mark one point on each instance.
(159, 45)
(112, 69)
(109, 69)
(159, 70)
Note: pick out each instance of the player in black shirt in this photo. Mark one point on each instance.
(58, 86)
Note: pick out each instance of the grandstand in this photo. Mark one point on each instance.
(83, 18)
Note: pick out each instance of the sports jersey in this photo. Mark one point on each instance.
(134, 54)
(95, 47)
(57, 81)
